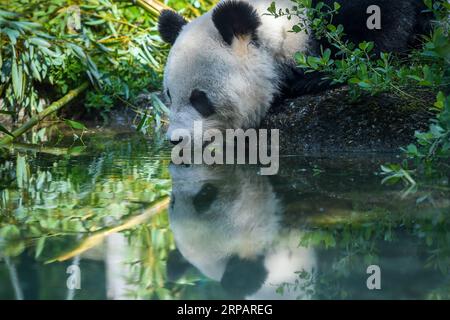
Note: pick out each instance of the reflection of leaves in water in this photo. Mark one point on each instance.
(55, 203)
(357, 241)
(66, 198)
(59, 207)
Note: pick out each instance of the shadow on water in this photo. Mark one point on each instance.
(96, 223)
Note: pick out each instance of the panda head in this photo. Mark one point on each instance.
(217, 71)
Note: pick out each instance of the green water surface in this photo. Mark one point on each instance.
(115, 220)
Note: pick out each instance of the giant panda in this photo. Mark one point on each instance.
(228, 222)
(227, 67)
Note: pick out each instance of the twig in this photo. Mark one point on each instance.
(55, 106)
(39, 148)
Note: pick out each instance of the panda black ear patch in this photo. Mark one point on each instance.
(235, 19)
(169, 25)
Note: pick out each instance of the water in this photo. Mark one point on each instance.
(96, 222)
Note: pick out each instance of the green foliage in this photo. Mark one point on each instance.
(435, 143)
(53, 205)
(364, 71)
(28, 57)
(48, 47)
(361, 240)
(191, 8)
(76, 194)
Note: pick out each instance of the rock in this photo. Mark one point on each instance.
(331, 122)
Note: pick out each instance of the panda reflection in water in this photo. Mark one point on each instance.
(243, 230)
(228, 223)
(226, 67)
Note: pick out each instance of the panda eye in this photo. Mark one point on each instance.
(201, 103)
(205, 198)
(168, 94)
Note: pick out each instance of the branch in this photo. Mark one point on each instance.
(153, 6)
(55, 106)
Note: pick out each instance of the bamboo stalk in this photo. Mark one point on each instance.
(38, 148)
(45, 149)
(55, 106)
(152, 6)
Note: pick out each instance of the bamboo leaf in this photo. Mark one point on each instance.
(75, 125)
(76, 150)
(36, 74)
(39, 247)
(16, 79)
(12, 35)
(40, 42)
(142, 122)
(10, 113)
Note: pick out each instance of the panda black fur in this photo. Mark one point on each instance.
(402, 24)
(239, 59)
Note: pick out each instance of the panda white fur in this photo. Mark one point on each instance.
(227, 222)
(227, 66)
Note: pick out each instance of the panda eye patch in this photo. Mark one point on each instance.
(205, 198)
(168, 94)
(201, 103)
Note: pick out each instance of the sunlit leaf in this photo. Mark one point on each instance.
(75, 125)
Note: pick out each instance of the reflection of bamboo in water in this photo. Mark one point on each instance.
(98, 236)
(43, 149)
(14, 279)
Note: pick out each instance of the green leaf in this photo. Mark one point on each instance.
(36, 74)
(75, 125)
(440, 100)
(49, 52)
(39, 247)
(94, 22)
(40, 42)
(159, 104)
(16, 79)
(331, 27)
(142, 122)
(296, 28)
(76, 150)
(364, 85)
(12, 34)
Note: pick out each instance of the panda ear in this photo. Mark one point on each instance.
(169, 25)
(236, 19)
